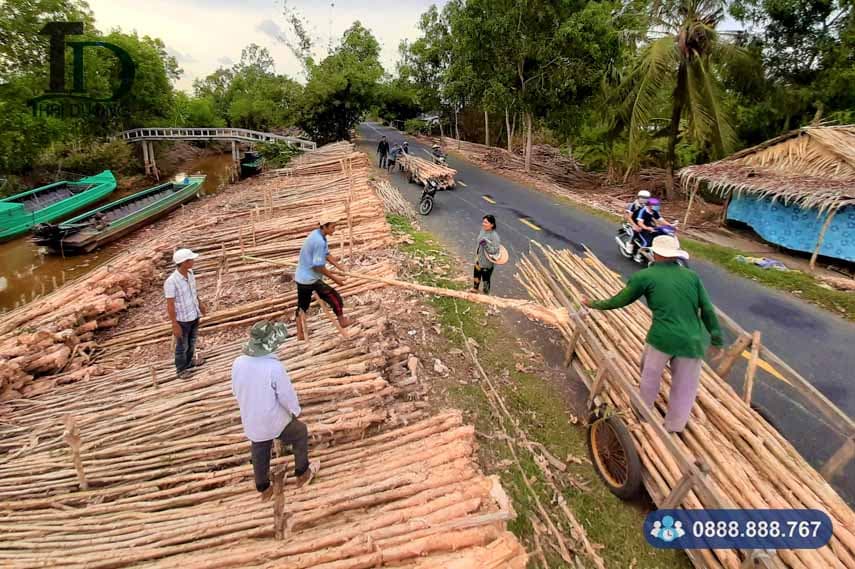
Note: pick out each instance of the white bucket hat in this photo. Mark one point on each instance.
(182, 255)
(668, 246)
(326, 218)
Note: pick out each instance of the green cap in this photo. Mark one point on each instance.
(265, 337)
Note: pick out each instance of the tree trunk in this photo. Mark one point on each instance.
(510, 131)
(441, 132)
(456, 129)
(676, 113)
(486, 129)
(528, 142)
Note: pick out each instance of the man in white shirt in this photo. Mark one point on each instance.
(269, 406)
(184, 309)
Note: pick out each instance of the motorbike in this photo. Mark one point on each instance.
(440, 160)
(428, 195)
(625, 236)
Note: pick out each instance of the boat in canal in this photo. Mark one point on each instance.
(250, 164)
(21, 212)
(97, 227)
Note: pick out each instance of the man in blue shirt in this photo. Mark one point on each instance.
(311, 269)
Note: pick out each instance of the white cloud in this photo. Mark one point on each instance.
(208, 34)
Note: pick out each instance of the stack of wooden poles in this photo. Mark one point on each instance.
(55, 332)
(393, 201)
(140, 468)
(752, 465)
(423, 171)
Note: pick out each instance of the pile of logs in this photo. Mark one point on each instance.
(55, 332)
(423, 171)
(751, 464)
(150, 469)
(393, 201)
(546, 161)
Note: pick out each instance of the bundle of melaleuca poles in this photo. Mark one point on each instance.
(751, 464)
(151, 470)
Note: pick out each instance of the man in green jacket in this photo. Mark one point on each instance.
(683, 317)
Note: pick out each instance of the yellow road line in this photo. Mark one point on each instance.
(764, 365)
(488, 199)
(524, 221)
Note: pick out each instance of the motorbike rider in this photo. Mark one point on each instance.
(405, 147)
(648, 219)
(632, 210)
(437, 152)
(392, 159)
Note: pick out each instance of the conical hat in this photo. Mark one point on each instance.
(501, 258)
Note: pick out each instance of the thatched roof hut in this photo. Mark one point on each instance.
(809, 169)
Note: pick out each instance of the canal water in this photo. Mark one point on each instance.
(27, 271)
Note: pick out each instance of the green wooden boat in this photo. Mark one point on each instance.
(22, 211)
(99, 226)
(251, 164)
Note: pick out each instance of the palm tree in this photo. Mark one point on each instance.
(682, 55)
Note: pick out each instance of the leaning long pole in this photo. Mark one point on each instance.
(553, 316)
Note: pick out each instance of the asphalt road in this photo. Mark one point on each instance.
(818, 344)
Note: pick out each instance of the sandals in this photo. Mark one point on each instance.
(306, 478)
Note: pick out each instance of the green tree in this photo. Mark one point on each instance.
(342, 87)
(681, 62)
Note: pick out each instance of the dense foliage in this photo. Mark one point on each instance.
(621, 84)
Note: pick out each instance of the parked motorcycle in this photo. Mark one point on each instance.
(428, 194)
(625, 237)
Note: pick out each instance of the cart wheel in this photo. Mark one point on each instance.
(426, 205)
(613, 454)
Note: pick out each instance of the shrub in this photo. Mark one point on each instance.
(278, 154)
(416, 126)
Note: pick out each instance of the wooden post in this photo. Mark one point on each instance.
(839, 459)
(821, 238)
(71, 436)
(752, 368)
(600, 379)
(689, 207)
(486, 128)
(580, 326)
(456, 127)
(153, 162)
(685, 485)
(153, 373)
(732, 354)
(279, 503)
(348, 207)
(146, 164)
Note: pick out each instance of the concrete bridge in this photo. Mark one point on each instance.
(147, 136)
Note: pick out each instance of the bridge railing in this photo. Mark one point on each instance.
(186, 133)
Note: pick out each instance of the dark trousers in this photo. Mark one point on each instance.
(382, 163)
(482, 276)
(185, 346)
(327, 293)
(295, 434)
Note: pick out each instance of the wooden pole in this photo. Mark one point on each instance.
(839, 459)
(153, 372)
(71, 436)
(486, 128)
(821, 238)
(689, 207)
(146, 165)
(279, 503)
(752, 367)
(732, 354)
(539, 312)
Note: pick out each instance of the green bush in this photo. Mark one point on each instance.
(416, 126)
(115, 155)
(278, 154)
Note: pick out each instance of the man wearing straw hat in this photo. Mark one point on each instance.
(311, 268)
(184, 309)
(269, 406)
(683, 317)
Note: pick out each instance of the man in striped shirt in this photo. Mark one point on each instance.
(184, 309)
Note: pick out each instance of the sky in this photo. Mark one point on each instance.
(206, 34)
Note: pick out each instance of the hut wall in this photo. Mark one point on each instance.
(795, 227)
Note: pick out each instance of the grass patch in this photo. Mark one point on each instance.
(543, 415)
(798, 283)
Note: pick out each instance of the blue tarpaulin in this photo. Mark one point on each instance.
(796, 228)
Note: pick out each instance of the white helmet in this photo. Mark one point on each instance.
(644, 194)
